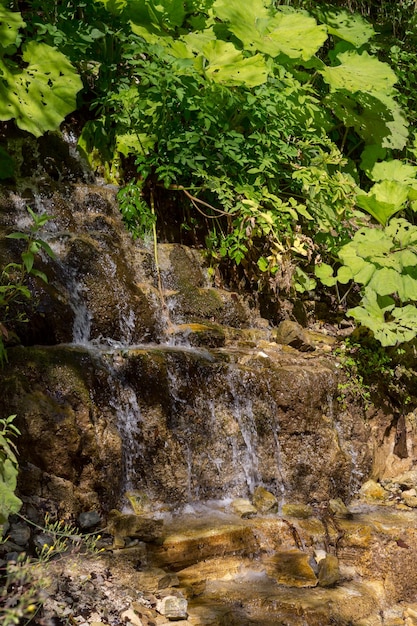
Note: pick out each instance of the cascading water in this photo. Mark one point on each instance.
(243, 413)
(226, 417)
(182, 396)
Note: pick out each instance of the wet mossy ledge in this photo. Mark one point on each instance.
(181, 424)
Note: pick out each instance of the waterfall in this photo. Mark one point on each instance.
(243, 412)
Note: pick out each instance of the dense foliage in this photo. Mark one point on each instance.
(278, 135)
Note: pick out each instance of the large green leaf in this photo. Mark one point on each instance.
(246, 20)
(402, 232)
(360, 72)
(350, 27)
(10, 23)
(384, 200)
(362, 96)
(164, 14)
(40, 95)
(394, 170)
(371, 314)
(228, 66)
(385, 281)
(407, 289)
(377, 118)
(296, 35)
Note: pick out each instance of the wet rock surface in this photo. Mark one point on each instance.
(314, 571)
(147, 387)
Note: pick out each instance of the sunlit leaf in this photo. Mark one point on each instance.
(378, 119)
(40, 95)
(228, 66)
(325, 273)
(394, 170)
(350, 27)
(385, 281)
(296, 35)
(384, 200)
(10, 23)
(360, 72)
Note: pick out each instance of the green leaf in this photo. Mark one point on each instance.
(18, 236)
(228, 66)
(350, 27)
(407, 288)
(28, 259)
(296, 35)
(39, 274)
(113, 6)
(384, 200)
(9, 502)
(302, 281)
(395, 170)
(360, 72)
(10, 24)
(40, 95)
(385, 281)
(344, 274)
(263, 264)
(377, 118)
(325, 273)
(402, 232)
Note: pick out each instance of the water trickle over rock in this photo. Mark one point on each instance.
(181, 396)
(200, 403)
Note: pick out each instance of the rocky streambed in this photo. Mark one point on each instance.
(228, 563)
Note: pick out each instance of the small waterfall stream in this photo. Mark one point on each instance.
(182, 397)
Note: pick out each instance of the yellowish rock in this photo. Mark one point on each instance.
(264, 501)
(338, 507)
(329, 573)
(358, 537)
(291, 568)
(371, 490)
(301, 511)
(244, 508)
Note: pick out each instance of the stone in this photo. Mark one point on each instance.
(173, 607)
(43, 539)
(290, 333)
(409, 500)
(130, 617)
(301, 511)
(291, 568)
(89, 519)
(244, 508)
(338, 507)
(410, 616)
(125, 526)
(407, 480)
(264, 501)
(320, 555)
(168, 580)
(372, 490)
(329, 573)
(19, 533)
